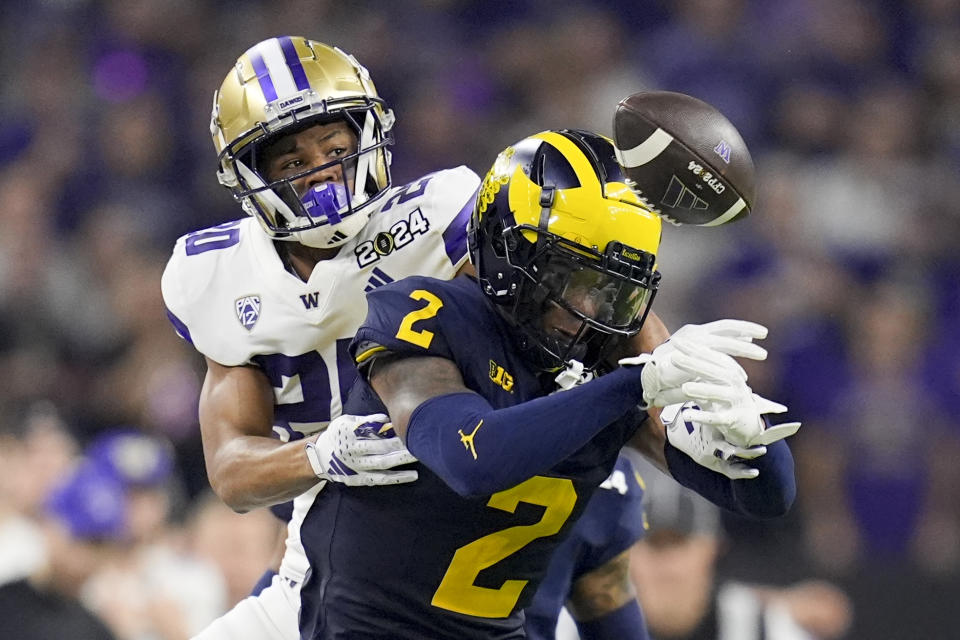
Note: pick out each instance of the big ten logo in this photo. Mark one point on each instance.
(400, 234)
(498, 176)
(499, 375)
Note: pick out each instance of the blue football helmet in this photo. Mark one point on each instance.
(563, 247)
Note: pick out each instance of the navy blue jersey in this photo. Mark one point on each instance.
(417, 560)
(611, 523)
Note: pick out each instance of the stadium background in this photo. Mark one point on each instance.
(851, 109)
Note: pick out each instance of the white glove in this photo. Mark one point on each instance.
(358, 450)
(697, 352)
(706, 446)
(737, 413)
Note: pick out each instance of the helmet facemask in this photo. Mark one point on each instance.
(328, 214)
(572, 300)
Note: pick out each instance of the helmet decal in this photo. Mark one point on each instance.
(495, 179)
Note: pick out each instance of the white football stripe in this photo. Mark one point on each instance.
(737, 207)
(645, 151)
(277, 67)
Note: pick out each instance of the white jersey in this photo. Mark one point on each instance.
(228, 293)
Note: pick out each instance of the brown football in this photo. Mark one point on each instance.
(684, 158)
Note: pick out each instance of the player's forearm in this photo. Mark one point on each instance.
(478, 450)
(650, 438)
(604, 603)
(769, 495)
(652, 334)
(247, 467)
(772, 493)
(602, 590)
(252, 471)
(625, 623)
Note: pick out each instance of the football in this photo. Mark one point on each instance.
(684, 158)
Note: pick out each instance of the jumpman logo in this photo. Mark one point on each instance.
(467, 440)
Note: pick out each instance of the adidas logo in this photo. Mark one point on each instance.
(678, 196)
(377, 279)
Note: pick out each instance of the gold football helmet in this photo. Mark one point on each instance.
(281, 86)
(563, 247)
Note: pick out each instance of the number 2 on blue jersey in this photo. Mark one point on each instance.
(406, 331)
(457, 591)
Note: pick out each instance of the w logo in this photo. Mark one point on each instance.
(678, 196)
(723, 150)
(248, 311)
(310, 300)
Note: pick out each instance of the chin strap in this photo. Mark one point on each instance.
(573, 376)
(547, 196)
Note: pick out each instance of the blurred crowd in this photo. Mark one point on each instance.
(850, 107)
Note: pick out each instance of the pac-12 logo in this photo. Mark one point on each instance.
(400, 234)
(248, 310)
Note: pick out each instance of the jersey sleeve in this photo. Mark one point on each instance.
(199, 303)
(175, 290)
(403, 318)
(451, 196)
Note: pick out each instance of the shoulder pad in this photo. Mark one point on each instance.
(404, 318)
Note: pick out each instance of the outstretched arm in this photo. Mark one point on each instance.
(479, 450)
(651, 436)
(727, 480)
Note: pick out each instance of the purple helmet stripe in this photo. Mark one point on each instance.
(293, 61)
(263, 75)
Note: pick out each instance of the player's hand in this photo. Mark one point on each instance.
(737, 413)
(697, 352)
(706, 445)
(360, 451)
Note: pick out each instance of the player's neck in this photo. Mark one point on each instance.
(300, 259)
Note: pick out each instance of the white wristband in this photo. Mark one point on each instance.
(314, 459)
